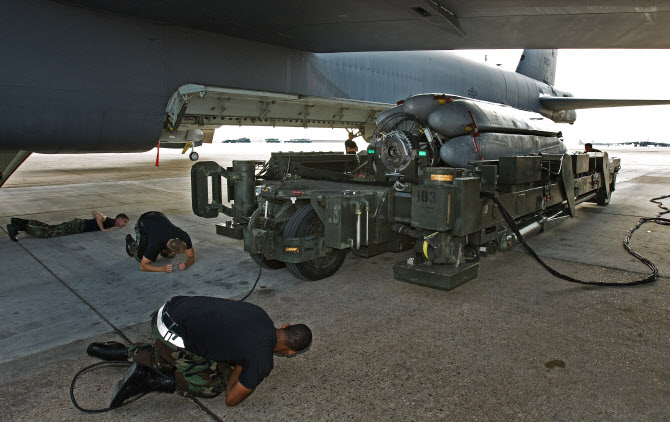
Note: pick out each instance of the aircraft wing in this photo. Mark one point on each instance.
(196, 106)
(387, 25)
(571, 103)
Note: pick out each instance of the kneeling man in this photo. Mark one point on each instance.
(157, 235)
(204, 346)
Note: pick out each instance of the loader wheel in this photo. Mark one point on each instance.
(305, 222)
(270, 264)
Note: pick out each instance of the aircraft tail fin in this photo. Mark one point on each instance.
(539, 65)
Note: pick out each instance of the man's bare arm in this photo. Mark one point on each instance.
(236, 392)
(190, 259)
(99, 218)
(146, 265)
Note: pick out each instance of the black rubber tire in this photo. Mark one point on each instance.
(270, 264)
(194, 156)
(303, 223)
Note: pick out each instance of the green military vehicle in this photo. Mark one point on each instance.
(305, 211)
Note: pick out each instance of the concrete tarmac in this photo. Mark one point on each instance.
(513, 344)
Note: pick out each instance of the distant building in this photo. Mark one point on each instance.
(237, 141)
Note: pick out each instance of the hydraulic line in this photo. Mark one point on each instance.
(654, 270)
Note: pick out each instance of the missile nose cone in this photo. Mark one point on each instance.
(449, 121)
(456, 153)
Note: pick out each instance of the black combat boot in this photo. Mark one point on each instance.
(19, 223)
(130, 245)
(110, 350)
(140, 379)
(13, 232)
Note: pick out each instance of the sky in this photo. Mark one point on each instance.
(627, 74)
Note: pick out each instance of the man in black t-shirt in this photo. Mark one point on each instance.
(77, 225)
(350, 146)
(589, 148)
(197, 339)
(157, 235)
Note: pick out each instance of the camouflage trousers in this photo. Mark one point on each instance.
(135, 246)
(192, 373)
(40, 229)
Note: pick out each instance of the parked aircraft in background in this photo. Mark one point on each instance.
(100, 76)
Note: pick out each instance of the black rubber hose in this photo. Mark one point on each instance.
(654, 270)
(88, 368)
(139, 396)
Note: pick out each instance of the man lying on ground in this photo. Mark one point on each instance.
(77, 225)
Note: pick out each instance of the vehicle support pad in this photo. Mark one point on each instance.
(230, 230)
(443, 277)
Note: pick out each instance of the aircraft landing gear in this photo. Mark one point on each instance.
(193, 155)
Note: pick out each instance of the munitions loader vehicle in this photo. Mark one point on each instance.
(427, 181)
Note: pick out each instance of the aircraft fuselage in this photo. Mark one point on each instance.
(75, 80)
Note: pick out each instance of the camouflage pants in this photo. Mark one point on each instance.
(136, 245)
(192, 373)
(40, 229)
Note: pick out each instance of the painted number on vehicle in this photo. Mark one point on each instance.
(427, 196)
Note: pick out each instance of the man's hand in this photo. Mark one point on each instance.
(181, 265)
(236, 392)
(146, 265)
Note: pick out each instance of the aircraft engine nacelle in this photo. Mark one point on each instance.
(560, 116)
(180, 137)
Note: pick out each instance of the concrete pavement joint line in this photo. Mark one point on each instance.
(593, 211)
(81, 174)
(116, 330)
(206, 410)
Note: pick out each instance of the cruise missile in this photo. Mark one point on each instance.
(479, 130)
(457, 152)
